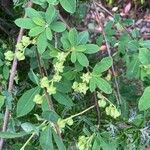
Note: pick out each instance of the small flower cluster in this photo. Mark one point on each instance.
(59, 66)
(62, 122)
(83, 86)
(82, 143)
(21, 47)
(44, 82)
(38, 99)
(110, 110)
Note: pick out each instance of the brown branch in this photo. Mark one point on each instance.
(118, 97)
(10, 85)
(43, 73)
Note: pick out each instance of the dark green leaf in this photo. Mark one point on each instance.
(63, 99)
(103, 65)
(25, 103)
(58, 26)
(82, 59)
(58, 141)
(103, 85)
(46, 139)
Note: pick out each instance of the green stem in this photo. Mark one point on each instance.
(22, 148)
(81, 112)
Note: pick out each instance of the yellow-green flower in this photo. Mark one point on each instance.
(38, 99)
(44, 82)
(9, 55)
(51, 89)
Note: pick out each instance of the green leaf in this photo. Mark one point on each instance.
(46, 139)
(42, 42)
(103, 85)
(36, 31)
(25, 103)
(91, 48)
(58, 26)
(32, 13)
(92, 84)
(103, 65)
(25, 23)
(58, 141)
(49, 34)
(80, 48)
(68, 5)
(50, 116)
(82, 59)
(145, 43)
(6, 72)
(52, 2)
(144, 103)
(83, 37)
(144, 55)
(73, 57)
(73, 37)
(63, 99)
(11, 135)
(2, 100)
(50, 14)
(39, 21)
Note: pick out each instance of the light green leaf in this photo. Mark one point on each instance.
(39, 21)
(73, 57)
(83, 37)
(42, 42)
(25, 23)
(73, 37)
(32, 13)
(49, 34)
(82, 59)
(68, 5)
(103, 85)
(58, 26)
(50, 14)
(2, 100)
(144, 56)
(144, 102)
(46, 139)
(92, 84)
(63, 99)
(52, 2)
(25, 103)
(80, 48)
(36, 31)
(103, 65)
(91, 48)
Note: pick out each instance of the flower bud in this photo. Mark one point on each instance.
(25, 41)
(38, 99)
(61, 123)
(70, 121)
(44, 82)
(51, 90)
(9, 55)
(57, 78)
(102, 103)
(20, 55)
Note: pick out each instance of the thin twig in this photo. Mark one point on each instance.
(11, 82)
(97, 109)
(109, 53)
